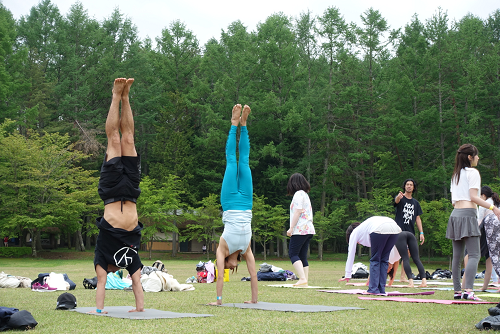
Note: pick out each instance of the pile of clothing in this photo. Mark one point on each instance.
(10, 281)
(156, 279)
(52, 282)
(205, 272)
(441, 274)
(268, 272)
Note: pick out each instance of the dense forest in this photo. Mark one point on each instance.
(356, 109)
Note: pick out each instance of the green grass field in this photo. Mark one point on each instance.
(377, 316)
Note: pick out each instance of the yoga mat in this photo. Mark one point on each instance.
(301, 287)
(488, 295)
(122, 312)
(390, 293)
(290, 307)
(439, 289)
(387, 286)
(435, 301)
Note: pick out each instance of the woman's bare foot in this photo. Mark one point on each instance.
(301, 283)
(403, 280)
(235, 118)
(102, 312)
(215, 304)
(136, 310)
(244, 115)
(249, 302)
(119, 86)
(424, 283)
(126, 89)
(411, 285)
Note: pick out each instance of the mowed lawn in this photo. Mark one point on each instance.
(377, 316)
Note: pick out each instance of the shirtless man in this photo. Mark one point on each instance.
(119, 229)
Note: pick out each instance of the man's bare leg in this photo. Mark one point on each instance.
(138, 292)
(127, 123)
(244, 115)
(102, 276)
(113, 120)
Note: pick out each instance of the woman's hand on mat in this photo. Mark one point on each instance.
(345, 279)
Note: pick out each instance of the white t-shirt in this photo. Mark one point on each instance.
(469, 179)
(361, 235)
(301, 201)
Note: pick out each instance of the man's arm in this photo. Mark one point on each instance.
(420, 229)
(398, 197)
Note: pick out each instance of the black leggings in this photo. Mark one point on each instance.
(406, 240)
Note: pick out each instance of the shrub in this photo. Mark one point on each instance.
(15, 251)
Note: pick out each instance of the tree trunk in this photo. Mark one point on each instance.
(33, 244)
(285, 244)
(278, 241)
(69, 239)
(38, 240)
(271, 248)
(79, 245)
(174, 238)
(320, 250)
(150, 247)
(265, 253)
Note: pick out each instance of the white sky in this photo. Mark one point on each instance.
(206, 18)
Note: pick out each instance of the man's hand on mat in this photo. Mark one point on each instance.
(344, 279)
(136, 310)
(217, 303)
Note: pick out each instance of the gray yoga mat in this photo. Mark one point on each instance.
(290, 307)
(122, 312)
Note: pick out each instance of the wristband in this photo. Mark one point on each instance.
(219, 297)
(491, 207)
(421, 232)
(98, 311)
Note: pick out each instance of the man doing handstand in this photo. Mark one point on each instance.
(119, 229)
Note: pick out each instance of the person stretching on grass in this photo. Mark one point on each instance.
(119, 229)
(237, 201)
(379, 233)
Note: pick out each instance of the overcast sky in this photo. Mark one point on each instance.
(206, 18)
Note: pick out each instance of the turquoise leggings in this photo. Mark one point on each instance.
(237, 188)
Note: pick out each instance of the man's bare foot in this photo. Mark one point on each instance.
(244, 115)
(119, 86)
(403, 280)
(250, 302)
(214, 304)
(126, 89)
(102, 312)
(235, 118)
(136, 310)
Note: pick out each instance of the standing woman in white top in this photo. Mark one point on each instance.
(462, 228)
(301, 228)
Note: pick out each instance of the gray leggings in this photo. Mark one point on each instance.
(472, 244)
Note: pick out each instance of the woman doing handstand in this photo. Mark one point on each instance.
(237, 201)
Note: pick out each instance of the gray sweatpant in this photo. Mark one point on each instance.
(474, 251)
